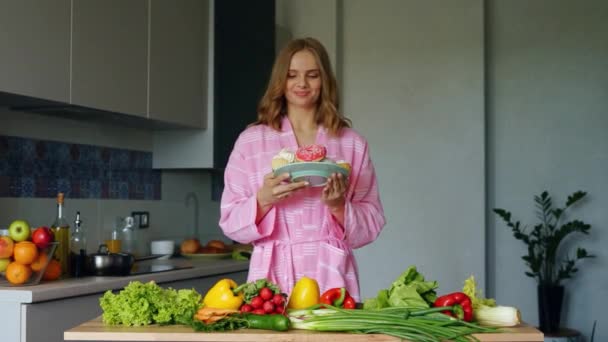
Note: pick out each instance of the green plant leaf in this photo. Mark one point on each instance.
(545, 238)
(575, 197)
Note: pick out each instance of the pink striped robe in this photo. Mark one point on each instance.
(299, 236)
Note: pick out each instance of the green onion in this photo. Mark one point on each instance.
(423, 325)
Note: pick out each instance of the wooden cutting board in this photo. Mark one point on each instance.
(95, 330)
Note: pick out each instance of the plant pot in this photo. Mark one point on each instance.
(550, 298)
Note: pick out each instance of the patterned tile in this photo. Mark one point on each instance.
(40, 168)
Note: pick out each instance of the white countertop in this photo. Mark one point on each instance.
(73, 287)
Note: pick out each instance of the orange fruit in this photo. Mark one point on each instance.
(38, 264)
(53, 270)
(17, 273)
(25, 252)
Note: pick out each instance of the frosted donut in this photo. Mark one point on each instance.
(311, 153)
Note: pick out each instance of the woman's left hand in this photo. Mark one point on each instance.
(333, 194)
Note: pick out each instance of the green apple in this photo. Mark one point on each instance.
(19, 230)
(4, 264)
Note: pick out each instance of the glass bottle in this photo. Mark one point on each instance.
(61, 229)
(78, 249)
(113, 241)
(128, 236)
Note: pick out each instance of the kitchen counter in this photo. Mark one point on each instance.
(95, 330)
(65, 303)
(72, 287)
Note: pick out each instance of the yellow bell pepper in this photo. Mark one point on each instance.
(304, 294)
(221, 296)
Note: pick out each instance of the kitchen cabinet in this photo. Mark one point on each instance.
(113, 60)
(240, 61)
(35, 41)
(60, 315)
(43, 312)
(178, 61)
(110, 55)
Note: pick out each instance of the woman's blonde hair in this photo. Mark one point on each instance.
(273, 106)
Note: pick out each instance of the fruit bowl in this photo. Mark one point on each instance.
(18, 273)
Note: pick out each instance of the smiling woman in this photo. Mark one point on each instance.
(297, 227)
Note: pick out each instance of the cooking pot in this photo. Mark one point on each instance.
(104, 263)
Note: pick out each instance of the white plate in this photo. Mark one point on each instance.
(316, 173)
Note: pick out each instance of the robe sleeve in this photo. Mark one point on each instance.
(239, 202)
(363, 214)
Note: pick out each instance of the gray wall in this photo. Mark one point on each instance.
(414, 87)
(548, 129)
(470, 105)
(170, 217)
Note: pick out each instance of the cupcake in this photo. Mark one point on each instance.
(278, 162)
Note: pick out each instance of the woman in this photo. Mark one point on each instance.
(298, 230)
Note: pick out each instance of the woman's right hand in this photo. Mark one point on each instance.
(274, 190)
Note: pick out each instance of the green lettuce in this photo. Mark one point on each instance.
(143, 304)
(477, 299)
(409, 290)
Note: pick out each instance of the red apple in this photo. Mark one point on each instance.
(6, 247)
(42, 237)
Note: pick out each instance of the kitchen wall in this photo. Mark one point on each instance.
(413, 85)
(547, 130)
(470, 105)
(170, 217)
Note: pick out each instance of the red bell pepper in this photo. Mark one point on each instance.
(456, 298)
(339, 297)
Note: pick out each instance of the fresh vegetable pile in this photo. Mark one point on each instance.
(143, 304)
(408, 309)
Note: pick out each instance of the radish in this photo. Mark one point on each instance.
(258, 312)
(257, 302)
(278, 299)
(265, 293)
(268, 307)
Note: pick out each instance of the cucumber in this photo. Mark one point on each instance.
(274, 322)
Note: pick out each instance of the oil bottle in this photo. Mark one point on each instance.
(61, 229)
(78, 249)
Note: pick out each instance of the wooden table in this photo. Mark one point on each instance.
(95, 330)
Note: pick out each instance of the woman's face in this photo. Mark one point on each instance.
(303, 84)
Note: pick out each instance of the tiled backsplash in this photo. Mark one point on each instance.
(42, 168)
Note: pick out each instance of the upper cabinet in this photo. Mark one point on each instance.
(35, 48)
(241, 53)
(144, 58)
(178, 61)
(110, 55)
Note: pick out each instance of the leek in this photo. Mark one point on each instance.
(485, 311)
(415, 325)
(497, 316)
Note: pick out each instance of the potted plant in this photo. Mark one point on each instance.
(549, 265)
